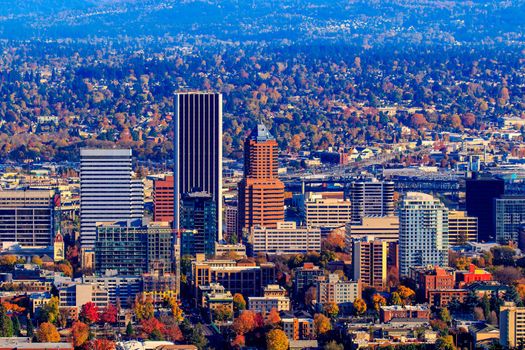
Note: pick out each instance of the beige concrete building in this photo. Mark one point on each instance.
(287, 238)
(511, 325)
(335, 290)
(372, 228)
(326, 213)
(462, 228)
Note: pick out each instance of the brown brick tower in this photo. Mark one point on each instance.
(261, 193)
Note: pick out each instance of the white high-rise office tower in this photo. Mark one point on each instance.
(423, 232)
(107, 191)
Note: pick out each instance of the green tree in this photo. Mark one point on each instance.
(445, 343)
(129, 329)
(16, 326)
(239, 303)
(49, 312)
(30, 329)
(197, 337)
(395, 299)
(444, 315)
(485, 303)
(6, 325)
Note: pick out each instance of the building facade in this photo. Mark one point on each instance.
(198, 223)
(198, 150)
(371, 198)
(335, 290)
(286, 238)
(462, 228)
(423, 232)
(163, 200)
(27, 217)
(327, 213)
(131, 248)
(107, 191)
(511, 325)
(510, 217)
(261, 193)
(369, 261)
(480, 194)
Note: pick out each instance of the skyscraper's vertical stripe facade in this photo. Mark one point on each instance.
(198, 149)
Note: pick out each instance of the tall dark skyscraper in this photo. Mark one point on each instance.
(198, 149)
(198, 221)
(480, 195)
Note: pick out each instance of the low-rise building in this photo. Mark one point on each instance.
(298, 328)
(306, 276)
(266, 304)
(473, 274)
(390, 313)
(76, 295)
(286, 238)
(431, 278)
(335, 290)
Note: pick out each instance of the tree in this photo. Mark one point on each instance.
(378, 301)
(152, 328)
(197, 337)
(222, 313)
(507, 274)
(47, 333)
(7, 261)
(406, 294)
(37, 260)
(359, 306)
(310, 295)
(49, 312)
(333, 345)
(445, 343)
(6, 325)
(30, 329)
(478, 314)
(102, 344)
(172, 332)
(16, 326)
(239, 303)
(89, 313)
(513, 295)
(109, 314)
(493, 318)
(143, 307)
(331, 309)
(444, 315)
(322, 324)
(276, 339)
(129, 330)
(335, 241)
(273, 317)
(177, 312)
(80, 333)
(244, 323)
(395, 299)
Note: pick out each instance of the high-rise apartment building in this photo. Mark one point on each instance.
(198, 150)
(511, 325)
(261, 193)
(108, 192)
(27, 217)
(510, 217)
(163, 199)
(370, 263)
(198, 223)
(423, 232)
(462, 228)
(131, 248)
(371, 198)
(480, 194)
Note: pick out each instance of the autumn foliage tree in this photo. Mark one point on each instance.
(47, 333)
(102, 344)
(331, 309)
(359, 306)
(276, 339)
(322, 324)
(89, 313)
(273, 317)
(80, 333)
(244, 323)
(109, 314)
(239, 303)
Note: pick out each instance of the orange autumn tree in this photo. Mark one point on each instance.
(276, 339)
(80, 333)
(47, 333)
(273, 317)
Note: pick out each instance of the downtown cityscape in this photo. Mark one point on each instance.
(237, 174)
